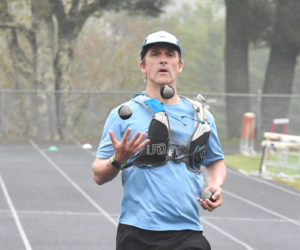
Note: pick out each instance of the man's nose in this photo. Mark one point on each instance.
(163, 60)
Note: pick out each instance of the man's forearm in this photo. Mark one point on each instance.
(216, 173)
(103, 171)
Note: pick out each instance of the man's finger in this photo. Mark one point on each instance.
(112, 138)
(135, 138)
(140, 138)
(126, 136)
(143, 144)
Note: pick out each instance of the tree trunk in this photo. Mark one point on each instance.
(42, 24)
(23, 66)
(282, 62)
(63, 85)
(279, 80)
(236, 64)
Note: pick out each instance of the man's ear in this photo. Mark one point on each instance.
(142, 66)
(181, 63)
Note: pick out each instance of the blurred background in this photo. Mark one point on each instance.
(64, 64)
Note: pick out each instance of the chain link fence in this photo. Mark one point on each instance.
(21, 117)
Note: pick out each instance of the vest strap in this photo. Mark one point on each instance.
(158, 151)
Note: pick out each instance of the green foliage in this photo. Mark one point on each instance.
(137, 7)
(287, 27)
(261, 19)
(202, 37)
(43, 8)
(148, 7)
(98, 13)
(115, 40)
(2, 6)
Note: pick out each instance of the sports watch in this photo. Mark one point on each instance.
(118, 164)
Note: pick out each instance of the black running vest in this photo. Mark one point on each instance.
(158, 151)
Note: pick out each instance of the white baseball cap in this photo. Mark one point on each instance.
(161, 37)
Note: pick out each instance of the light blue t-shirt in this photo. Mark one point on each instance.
(161, 198)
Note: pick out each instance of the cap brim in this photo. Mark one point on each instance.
(165, 42)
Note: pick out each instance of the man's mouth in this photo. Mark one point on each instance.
(163, 71)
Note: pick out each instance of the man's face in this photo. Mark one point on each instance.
(161, 64)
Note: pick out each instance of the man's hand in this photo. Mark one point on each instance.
(215, 175)
(125, 149)
(216, 199)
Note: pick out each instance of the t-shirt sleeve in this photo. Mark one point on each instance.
(213, 150)
(105, 149)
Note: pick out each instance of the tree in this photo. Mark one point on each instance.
(202, 47)
(51, 34)
(285, 45)
(247, 22)
(236, 63)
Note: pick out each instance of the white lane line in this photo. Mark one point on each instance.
(115, 215)
(239, 219)
(261, 207)
(245, 245)
(15, 215)
(75, 185)
(57, 213)
(213, 226)
(265, 182)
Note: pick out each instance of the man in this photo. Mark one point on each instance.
(160, 146)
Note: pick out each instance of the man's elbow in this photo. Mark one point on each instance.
(103, 173)
(98, 179)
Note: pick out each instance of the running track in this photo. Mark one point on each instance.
(48, 200)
